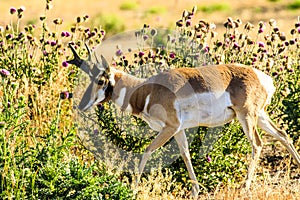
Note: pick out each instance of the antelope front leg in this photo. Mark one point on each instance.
(166, 133)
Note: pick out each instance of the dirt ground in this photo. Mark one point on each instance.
(157, 13)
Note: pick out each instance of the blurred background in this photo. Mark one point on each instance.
(119, 15)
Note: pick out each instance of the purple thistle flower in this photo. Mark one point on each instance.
(141, 54)
(119, 52)
(63, 34)
(12, 10)
(145, 37)
(219, 44)
(172, 55)
(236, 45)
(298, 29)
(261, 44)
(67, 34)
(291, 70)
(286, 43)
(4, 72)
(53, 43)
(65, 64)
(102, 32)
(208, 158)
(188, 22)
(65, 95)
(21, 9)
(261, 30)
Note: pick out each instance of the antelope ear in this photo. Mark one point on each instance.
(105, 64)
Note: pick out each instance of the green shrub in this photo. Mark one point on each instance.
(214, 8)
(294, 5)
(129, 5)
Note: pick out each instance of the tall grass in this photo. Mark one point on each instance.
(41, 156)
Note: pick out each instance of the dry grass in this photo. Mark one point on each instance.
(279, 186)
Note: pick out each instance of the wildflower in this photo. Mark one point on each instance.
(66, 95)
(12, 10)
(276, 29)
(96, 131)
(208, 158)
(194, 10)
(261, 44)
(42, 18)
(20, 11)
(100, 107)
(58, 21)
(298, 29)
(219, 44)
(102, 32)
(153, 32)
(260, 30)
(236, 45)
(4, 72)
(282, 36)
(141, 54)
(172, 55)
(2, 124)
(286, 43)
(65, 64)
(8, 36)
(179, 23)
(188, 23)
(297, 24)
(185, 13)
(145, 37)
(274, 74)
(53, 43)
(249, 26)
(119, 52)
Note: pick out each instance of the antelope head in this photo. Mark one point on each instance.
(98, 70)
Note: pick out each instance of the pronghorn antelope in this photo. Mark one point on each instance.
(182, 98)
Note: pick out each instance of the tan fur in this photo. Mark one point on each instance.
(240, 81)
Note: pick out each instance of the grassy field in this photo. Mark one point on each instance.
(133, 13)
(41, 155)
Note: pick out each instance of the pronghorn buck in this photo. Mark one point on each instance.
(181, 98)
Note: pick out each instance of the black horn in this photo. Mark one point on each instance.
(77, 61)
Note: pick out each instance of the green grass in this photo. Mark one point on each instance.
(156, 10)
(129, 5)
(111, 23)
(294, 5)
(220, 7)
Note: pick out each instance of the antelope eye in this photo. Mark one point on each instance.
(100, 82)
